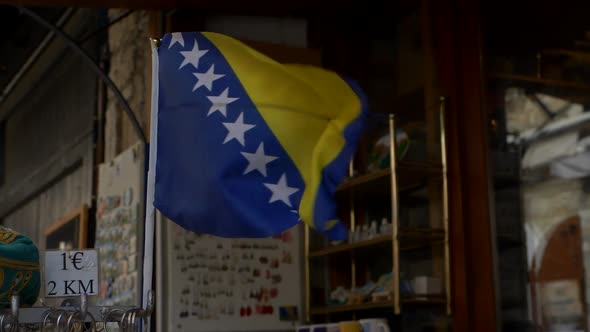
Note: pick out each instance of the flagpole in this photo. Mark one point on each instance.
(148, 256)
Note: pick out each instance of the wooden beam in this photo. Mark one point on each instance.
(582, 43)
(228, 5)
(472, 247)
(572, 54)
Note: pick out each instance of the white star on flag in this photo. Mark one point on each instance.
(220, 102)
(281, 191)
(207, 79)
(237, 130)
(176, 38)
(258, 160)
(192, 56)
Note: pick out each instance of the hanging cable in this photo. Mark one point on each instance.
(88, 59)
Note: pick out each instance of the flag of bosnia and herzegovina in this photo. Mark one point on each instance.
(248, 147)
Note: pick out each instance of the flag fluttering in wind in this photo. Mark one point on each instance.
(243, 146)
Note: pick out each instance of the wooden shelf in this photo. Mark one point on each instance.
(410, 238)
(570, 90)
(409, 175)
(416, 238)
(364, 179)
(350, 307)
(375, 305)
(425, 300)
(435, 300)
(540, 81)
(378, 241)
(576, 55)
(582, 43)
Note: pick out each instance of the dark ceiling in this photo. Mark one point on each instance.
(509, 27)
(520, 26)
(21, 36)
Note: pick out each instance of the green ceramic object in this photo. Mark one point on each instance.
(379, 155)
(19, 268)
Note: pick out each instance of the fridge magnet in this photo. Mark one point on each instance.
(128, 196)
(286, 257)
(289, 313)
(274, 292)
(277, 278)
(112, 202)
(132, 263)
(274, 264)
(132, 244)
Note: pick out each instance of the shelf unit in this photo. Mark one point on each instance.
(570, 90)
(408, 238)
(540, 81)
(411, 174)
(375, 305)
(399, 177)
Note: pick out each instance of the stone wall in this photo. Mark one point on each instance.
(130, 68)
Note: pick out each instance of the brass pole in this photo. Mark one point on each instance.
(352, 229)
(445, 205)
(307, 278)
(394, 215)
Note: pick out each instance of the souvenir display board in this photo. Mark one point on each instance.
(232, 284)
(119, 228)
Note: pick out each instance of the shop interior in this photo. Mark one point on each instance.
(395, 265)
(466, 201)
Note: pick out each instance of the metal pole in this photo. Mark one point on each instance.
(307, 276)
(443, 146)
(394, 216)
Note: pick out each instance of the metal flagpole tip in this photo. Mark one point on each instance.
(156, 41)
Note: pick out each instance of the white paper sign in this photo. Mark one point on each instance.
(71, 273)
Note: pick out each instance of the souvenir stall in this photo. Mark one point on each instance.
(281, 197)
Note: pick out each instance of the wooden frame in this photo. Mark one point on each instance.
(473, 272)
(79, 216)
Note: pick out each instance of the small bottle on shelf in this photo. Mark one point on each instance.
(372, 230)
(385, 228)
(358, 232)
(364, 233)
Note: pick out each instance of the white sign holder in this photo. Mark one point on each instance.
(71, 273)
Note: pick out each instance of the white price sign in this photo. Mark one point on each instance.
(71, 273)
